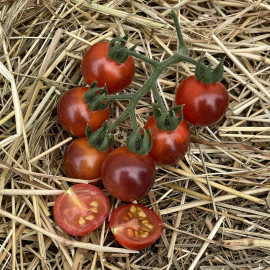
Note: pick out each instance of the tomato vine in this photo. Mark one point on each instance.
(119, 52)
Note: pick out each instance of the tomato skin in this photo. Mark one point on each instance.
(74, 114)
(126, 175)
(83, 161)
(97, 66)
(168, 146)
(73, 209)
(205, 104)
(119, 226)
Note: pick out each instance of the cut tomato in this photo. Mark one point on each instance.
(81, 209)
(135, 226)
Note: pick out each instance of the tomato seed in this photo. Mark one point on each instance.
(94, 203)
(144, 234)
(141, 214)
(95, 210)
(90, 217)
(81, 221)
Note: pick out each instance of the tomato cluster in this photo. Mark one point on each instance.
(126, 174)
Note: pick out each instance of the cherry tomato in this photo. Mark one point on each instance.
(205, 104)
(81, 209)
(97, 66)
(126, 175)
(83, 161)
(134, 226)
(168, 146)
(74, 114)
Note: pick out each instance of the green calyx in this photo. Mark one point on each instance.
(169, 120)
(206, 75)
(99, 139)
(118, 50)
(93, 97)
(140, 143)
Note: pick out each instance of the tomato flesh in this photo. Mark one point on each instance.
(97, 66)
(135, 226)
(74, 114)
(81, 209)
(168, 146)
(126, 175)
(205, 104)
(83, 161)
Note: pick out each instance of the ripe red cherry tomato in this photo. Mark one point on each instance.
(135, 226)
(205, 104)
(74, 114)
(83, 161)
(168, 146)
(126, 175)
(97, 66)
(81, 209)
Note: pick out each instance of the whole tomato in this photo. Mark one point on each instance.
(83, 161)
(97, 66)
(205, 104)
(128, 176)
(168, 146)
(74, 114)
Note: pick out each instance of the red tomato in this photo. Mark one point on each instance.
(83, 161)
(135, 226)
(81, 209)
(74, 114)
(168, 146)
(126, 175)
(205, 104)
(97, 66)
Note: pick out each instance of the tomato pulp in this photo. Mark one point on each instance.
(81, 209)
(135, 226)
(126, 175)
(205, 104)
(168, 146)
(83, 161)
(97, 66)
(74, 114)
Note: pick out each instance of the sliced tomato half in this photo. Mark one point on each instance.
(81, 209)
(135, 226)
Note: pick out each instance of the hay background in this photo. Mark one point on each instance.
(41, 47)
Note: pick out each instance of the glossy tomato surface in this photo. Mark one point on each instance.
(126, 175)
(81, 209)
(168, 146)
(74, 114)
(134, 226)
(83, 161)
(97, 66)
(205, 104)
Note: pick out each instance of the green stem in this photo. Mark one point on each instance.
(118, 97)
(143, 58)
(183, 48)
(158, 98)
(133, 120)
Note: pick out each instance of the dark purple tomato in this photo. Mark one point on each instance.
(126, 175)
(83, 161)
